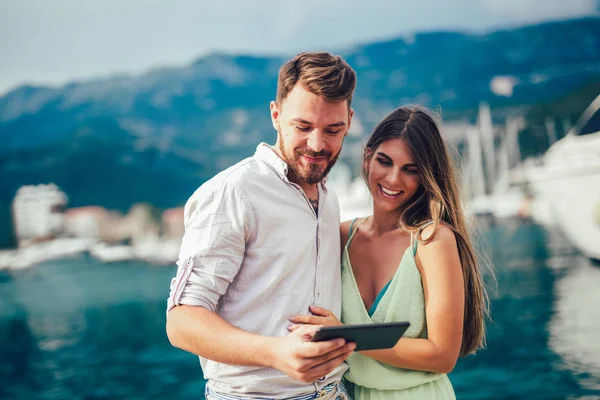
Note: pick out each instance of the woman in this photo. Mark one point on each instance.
(411, 260)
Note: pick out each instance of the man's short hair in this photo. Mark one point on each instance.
(320, 73)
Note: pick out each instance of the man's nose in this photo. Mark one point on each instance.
(316, 141)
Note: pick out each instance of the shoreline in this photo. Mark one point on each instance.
(157, 251)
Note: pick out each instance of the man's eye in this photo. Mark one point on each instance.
(303, 128)
(333, 132)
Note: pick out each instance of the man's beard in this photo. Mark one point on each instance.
(313, 172)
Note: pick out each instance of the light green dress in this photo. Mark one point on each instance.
(401, 300)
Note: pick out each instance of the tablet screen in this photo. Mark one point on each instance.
(366, 337)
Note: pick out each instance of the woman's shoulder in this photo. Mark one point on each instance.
(345, 226)
(345, 231)
(437, 247)
(443, 232)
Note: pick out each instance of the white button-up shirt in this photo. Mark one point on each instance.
(256, 253)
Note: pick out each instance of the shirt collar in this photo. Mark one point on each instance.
(267, 154)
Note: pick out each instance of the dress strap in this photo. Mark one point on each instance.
(351, 227)
(353, 230)
(414, 238)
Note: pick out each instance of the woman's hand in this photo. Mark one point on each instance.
(321, 316)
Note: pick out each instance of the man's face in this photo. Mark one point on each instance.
(311, 131)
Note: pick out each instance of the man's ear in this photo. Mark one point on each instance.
(275, 112)
(350, 115)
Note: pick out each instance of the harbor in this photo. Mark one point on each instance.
(79, 328)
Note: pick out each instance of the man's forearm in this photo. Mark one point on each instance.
(204, 333)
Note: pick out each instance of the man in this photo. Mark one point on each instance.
(261, 244)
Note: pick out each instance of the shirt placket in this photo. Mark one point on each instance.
(317, 293)
(316, 289)
(318, 280)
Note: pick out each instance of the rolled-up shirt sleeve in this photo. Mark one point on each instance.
(218, 220)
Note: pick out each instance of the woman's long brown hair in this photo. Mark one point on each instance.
(436, 200)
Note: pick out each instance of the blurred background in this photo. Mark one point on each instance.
(113, 113)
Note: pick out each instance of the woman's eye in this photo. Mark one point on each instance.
(383, 161)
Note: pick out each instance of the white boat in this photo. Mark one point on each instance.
(44, 251)
(156, 250)
(112, 253)
(568, 182)
(353, 194)
(487, 164)
(574, 324)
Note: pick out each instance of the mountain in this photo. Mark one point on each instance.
(155, 137)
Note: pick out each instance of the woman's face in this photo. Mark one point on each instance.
(393, 176)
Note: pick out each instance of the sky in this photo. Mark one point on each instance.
(52, 42)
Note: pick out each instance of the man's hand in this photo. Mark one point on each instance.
(299, 358)
(321, 316)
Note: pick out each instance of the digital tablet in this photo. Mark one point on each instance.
(366, 337)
